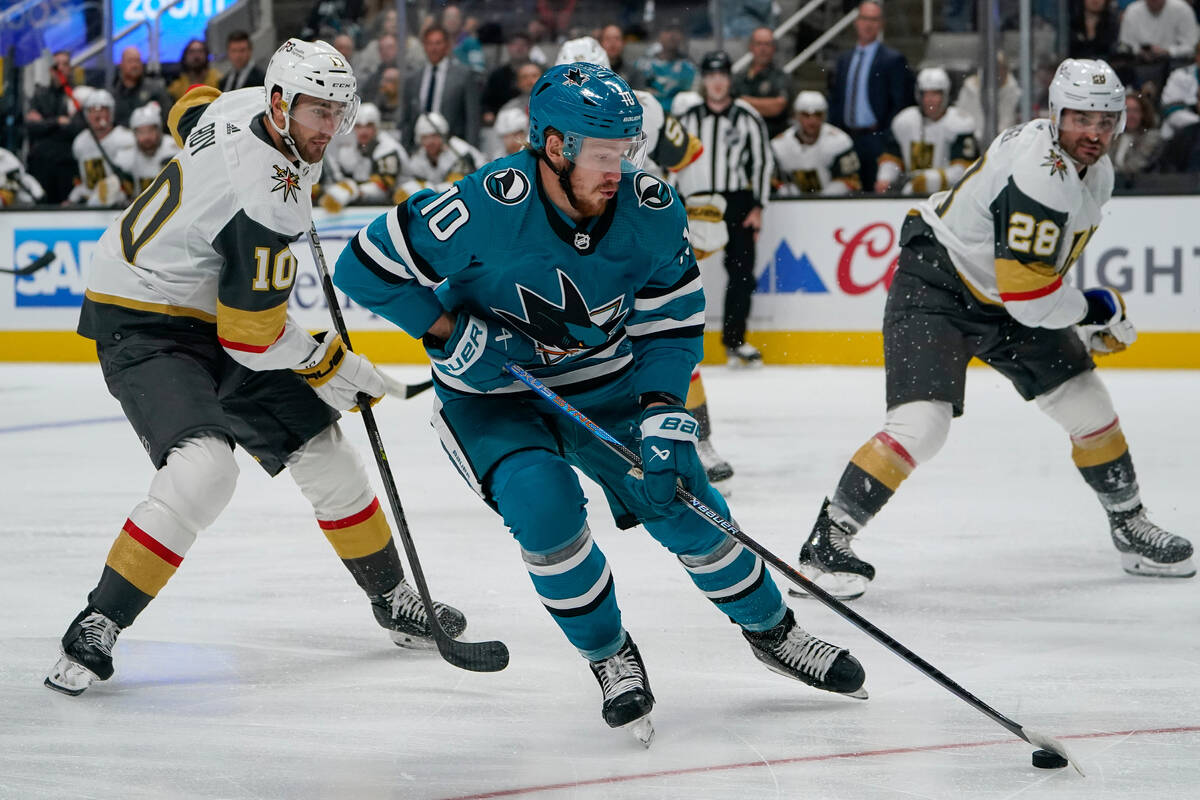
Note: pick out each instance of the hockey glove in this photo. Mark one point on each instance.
(477, 351)
(339, 195)
(668, 449)
(1104, 328)
(337, 375)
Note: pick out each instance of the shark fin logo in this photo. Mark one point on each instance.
(651, 192)
(566, 328)
(508, 186)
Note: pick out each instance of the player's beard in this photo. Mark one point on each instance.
(311, 151)
(591, 203)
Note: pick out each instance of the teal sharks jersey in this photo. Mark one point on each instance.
(614, 294)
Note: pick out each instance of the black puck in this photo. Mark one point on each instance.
(1044, 759)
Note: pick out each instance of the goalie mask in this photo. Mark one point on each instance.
(317, 70)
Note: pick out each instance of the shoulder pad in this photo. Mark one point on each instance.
(1044, 172)
(187, 111)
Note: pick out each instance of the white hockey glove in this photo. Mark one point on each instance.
(1104, 328)
(338, 375)
(107, 192)
(706, 224)
(339, 195)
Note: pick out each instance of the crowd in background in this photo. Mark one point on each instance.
(453, 95)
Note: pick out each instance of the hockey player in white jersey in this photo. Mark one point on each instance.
(981, 274)
(812, 156)
(104, 154)
(187, 301)
(439, 158)
(153, 149)
(17, 187)
(372, 166)
(931, 143)
(511, 130)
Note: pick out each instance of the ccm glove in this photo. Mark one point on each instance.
(477, 351)
(337, 374)
(668, 449)
(1104, 328)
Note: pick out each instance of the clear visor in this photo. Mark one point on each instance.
(330, 117)
(1098, 122)
(607, 155)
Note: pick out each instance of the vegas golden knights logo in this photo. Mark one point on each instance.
(807, 180)
(920, 155)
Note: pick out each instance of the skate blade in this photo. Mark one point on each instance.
(842, 585)
(858, 694)
(642, 729)
(1143, 567)
(69, 677)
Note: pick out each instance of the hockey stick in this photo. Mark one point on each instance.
(405, 390)
(474, 656)
(713, 518)
(33, 266)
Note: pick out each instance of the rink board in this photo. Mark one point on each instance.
(824, 267)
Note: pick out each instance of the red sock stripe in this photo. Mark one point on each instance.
(153, 545)
(1106, 429)
(350, 521)
(896, 447)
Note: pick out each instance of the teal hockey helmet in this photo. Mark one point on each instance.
(585, 102)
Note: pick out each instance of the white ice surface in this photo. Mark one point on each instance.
(259, 672)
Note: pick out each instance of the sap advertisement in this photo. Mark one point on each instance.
(182, 22)
(823, 265)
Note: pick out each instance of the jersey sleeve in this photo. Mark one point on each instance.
(891, 161)
(1028, 240)
(187, 110)
(667, 323)
(676, 148)
(845, 165)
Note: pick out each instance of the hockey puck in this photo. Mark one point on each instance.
(1044, 759)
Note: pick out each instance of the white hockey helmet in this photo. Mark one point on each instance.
(98, 98)
(149, 114)
(810, 102)
(933, 79)
(511, 120)
(315, 69)
(1084, 84)
(585, 48)
(431, 122)
(368, 114)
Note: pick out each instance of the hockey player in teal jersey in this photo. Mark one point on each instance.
(568, 260)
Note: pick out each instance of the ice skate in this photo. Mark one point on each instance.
(717, 468)
(795, 653)
(86, 653)
(744, 356)
(827, 560)
(627, 696)
(403, 614)
(1147, 549)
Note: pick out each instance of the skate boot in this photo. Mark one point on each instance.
(1147, 549)
(403, 614)
(715, 467)
(86, 653)
(795, 653)
(744, 356)
(627, 696)
(827, 560)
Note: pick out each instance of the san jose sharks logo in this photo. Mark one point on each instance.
(651, 192)
(564, 329)
(574, 77)
(287, 181)
(508, 186)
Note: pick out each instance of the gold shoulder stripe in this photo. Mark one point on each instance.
(250, 331)
(694, 148)
(198, 96)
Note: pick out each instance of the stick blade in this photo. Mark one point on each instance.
(474, 656)
(33, 266)
(1053, 745)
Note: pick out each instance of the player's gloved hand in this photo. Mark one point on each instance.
(337, 374)
(668, 450)
(339, 195)
(1104, 328)
(477, 350)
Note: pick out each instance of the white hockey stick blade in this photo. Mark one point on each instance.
(1053, 745)
(403, 390)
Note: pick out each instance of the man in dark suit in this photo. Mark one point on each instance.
(243, 71)
(871, 84)
(443, 85)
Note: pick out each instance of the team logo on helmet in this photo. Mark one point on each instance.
(508, 186)
(574, 78)
(288, 182)
(651, 192)
(1100, 78)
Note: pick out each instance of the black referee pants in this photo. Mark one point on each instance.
(739, 264)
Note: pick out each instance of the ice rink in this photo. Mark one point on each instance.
(259, 672)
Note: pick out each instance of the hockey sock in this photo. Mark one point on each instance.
(737, 583)
(363, 541)
(1104, 462)
(871, 478)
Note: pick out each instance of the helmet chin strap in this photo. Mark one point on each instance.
(564, 176)
(287, 136)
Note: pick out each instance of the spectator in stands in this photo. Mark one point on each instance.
(132, 89)
(344, 44)
(17, 187)
(764, 85)
(501, 84)
(541, 46)
(1137, 150)
(330, 17)
(1181, 98)
(445, 86)
(243, 71)
(668, 71)
(612, 39)
(869, 86)
(1154, 32)
(389, 57)
(556, 16)
(51, 124)
(441, 158)
(194, 69)
(812, 156)
(1007, 101)
(1094, 29)
(387, 95)
(739, 18)
(467, 49)
(527, 77)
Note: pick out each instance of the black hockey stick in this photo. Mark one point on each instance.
(405, 390)
(715, 519)
(474, 656)
(33, 266)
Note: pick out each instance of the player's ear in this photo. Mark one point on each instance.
(554, 144)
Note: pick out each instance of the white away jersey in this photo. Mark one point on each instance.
(1016, 222)
(94, 169)
(208, 242)
(828, 166)
(145, 168)
(457, 160)
(17, 187)
(376, 171)
(934, 153)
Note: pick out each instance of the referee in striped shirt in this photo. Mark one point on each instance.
(736, 163)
